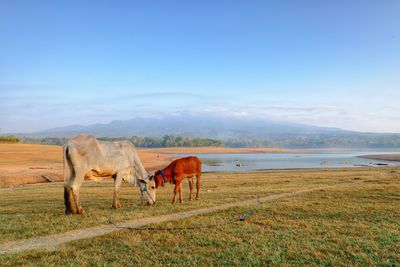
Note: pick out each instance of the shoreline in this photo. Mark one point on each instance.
(222, 150)
(29, 163)
(386, 157)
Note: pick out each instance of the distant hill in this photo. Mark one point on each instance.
(234, 131)
(199, 126)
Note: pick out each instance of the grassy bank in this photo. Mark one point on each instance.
(348, 224)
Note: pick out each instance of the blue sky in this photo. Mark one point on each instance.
(326, 63)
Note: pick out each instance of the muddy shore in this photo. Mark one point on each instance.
(388, 157)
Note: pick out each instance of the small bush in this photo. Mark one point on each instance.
(10, 139)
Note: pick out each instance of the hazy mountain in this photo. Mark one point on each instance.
(199, 126)
(234, 131)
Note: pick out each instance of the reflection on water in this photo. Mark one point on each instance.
(213, 161)
(247, 162)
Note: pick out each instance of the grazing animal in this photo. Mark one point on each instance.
(176, 172)
(88, 158)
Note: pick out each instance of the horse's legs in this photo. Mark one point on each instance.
(191, 187)
(117, 185)
(198, 176)
(79, 177)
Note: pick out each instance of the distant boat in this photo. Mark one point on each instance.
(238, 163)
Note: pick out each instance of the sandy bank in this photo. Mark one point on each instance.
(388, 157)
(28, 163)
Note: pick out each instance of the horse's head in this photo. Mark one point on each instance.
(148, 190)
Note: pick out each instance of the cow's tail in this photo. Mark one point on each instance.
(67, 177)
(65, 163)
(198, 178)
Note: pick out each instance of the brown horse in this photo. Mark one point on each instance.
(178, 170)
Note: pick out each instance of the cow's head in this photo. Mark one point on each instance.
(158, 179)
(148, 190)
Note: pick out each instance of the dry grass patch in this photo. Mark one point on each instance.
(344, 225)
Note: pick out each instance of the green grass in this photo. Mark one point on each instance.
(357, 224)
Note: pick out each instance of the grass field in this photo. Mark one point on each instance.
(346, 224)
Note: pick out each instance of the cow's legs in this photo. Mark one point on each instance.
(117, 185)
(176, 190)
(190, 187)
(180, 195)
(79, 177)
(69, 204)
(79, 209)
(198, 185)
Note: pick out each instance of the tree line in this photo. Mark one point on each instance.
(10, 139)
(356, 141)
(391, 141)
(169, 141)
(138, 141)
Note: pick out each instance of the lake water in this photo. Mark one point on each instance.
(247, 162)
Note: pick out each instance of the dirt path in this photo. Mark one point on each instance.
(51, 241)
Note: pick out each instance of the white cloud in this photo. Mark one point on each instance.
(19, 113)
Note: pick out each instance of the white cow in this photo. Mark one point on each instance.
(88, 158)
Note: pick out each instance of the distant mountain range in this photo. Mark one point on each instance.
(194, 126)
(239, 131)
